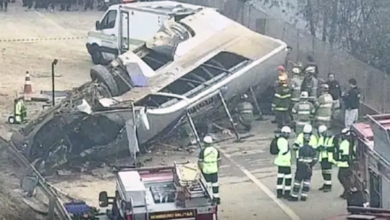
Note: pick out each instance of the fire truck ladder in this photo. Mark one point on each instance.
(189, 179)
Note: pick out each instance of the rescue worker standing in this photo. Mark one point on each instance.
(344, 161)
(311, 64)
(303, 112)
(281, 103)
(296, 83)
(209, 162)
(335, 92)
(20, 111)
(324, 105)
(310, 84)
(283, 162)
(245, 111)
(300, 140)
(352, 102)
(325, 148)
(305, 162)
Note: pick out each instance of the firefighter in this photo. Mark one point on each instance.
(305, 162)
(324, 105)
(325, 147)
(344, 161)
(283, 162)
(281, 103)
(303, 112)
(20, 111)
(209, 162)
(300, 140)
(311, 64)
(296, 83)
(245, 111)
(310, 84)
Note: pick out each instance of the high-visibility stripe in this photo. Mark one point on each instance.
(302, 122)
(288, 176)
(246, 111)
(326, 105)
(287, 188)
(304, 113)
(322, 118)
(285, 96)
(280, 175)
(281, 109)
(279, 186)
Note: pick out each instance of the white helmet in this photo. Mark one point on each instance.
(346, 131)
(322, 128)
(208, 140)
(296, 70)
(304, 95)
(310, 69)
(307, 129)
(286, 129)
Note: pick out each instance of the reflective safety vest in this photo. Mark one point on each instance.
(327, 150)
(282, 98)
(300, 142)
(210, 160)
(324, 107)
(283, 159)
(303, 111)
(296, 83)
(344, 157)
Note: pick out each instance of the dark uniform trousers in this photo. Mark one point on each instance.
(3, 4)
(344, 176)
(282, 118)
(302, 178)
(284, 175)
(212, 179)
(326, 168)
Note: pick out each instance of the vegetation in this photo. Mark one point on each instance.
(361, 27)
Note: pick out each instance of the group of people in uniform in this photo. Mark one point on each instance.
(308, 149)
(297, 105)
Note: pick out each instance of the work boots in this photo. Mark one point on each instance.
(325, 188)
(322, 187)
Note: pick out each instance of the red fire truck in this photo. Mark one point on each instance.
(161, 193)
(371, 171)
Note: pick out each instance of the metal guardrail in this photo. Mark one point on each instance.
(56, 207)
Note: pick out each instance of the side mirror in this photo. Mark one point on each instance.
(103, 199)
(97, 25)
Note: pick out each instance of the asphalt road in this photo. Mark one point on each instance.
(251, 164)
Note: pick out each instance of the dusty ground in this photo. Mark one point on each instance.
(29, 41)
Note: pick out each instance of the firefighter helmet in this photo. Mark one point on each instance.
(296, 70)
(325, 87)
(304, 95)
(208, 140)
(322, 129)
(310, 69)
(300, 65)
(286, 129)
(346, 131)
(307, 129)
(281, 68)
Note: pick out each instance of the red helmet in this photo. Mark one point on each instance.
(281, 68)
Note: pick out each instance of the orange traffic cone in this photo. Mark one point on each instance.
(27, 92)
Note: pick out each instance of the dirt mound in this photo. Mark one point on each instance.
(11, 202)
